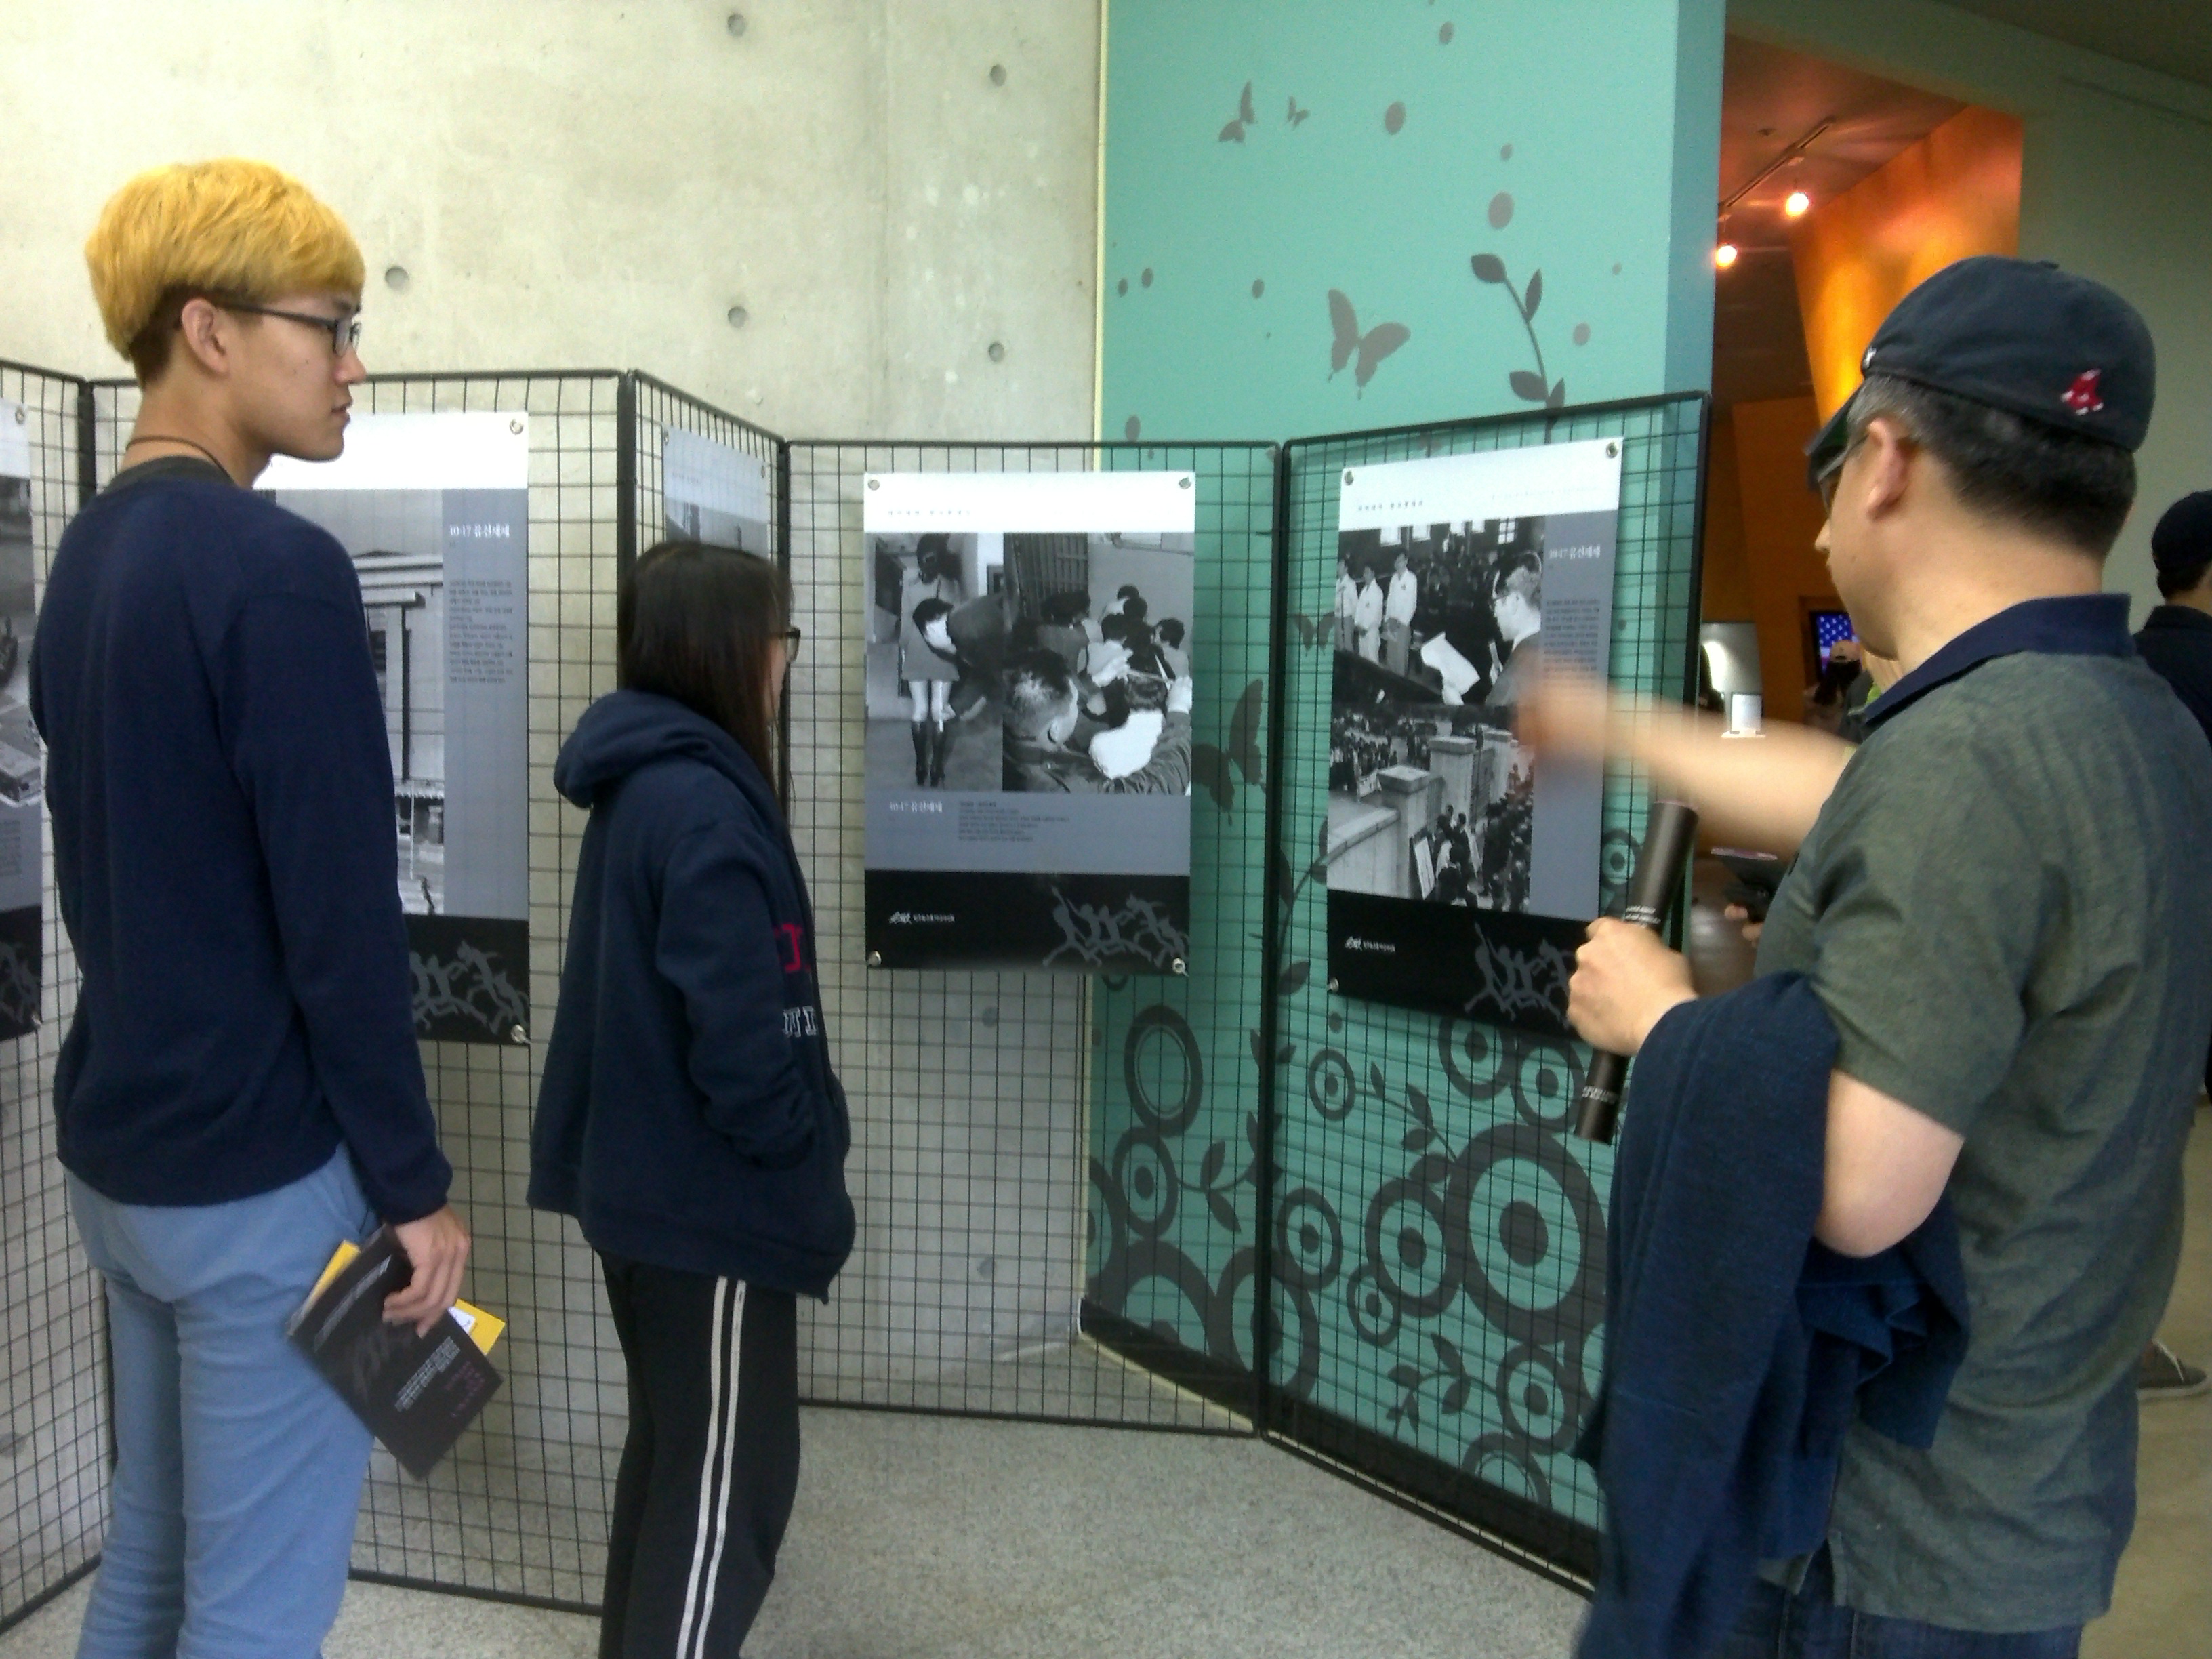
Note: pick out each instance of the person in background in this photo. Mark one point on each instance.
(2024, 770)
(1403, 599)
(1172, 655)
(936, 591)
(1367, 616)
(690, 1119)
(2176, 640)
(1347, 604)
(241, 1089)
(1517, 602)
(1827, 698)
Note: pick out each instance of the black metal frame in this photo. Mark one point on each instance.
(1204, 1393)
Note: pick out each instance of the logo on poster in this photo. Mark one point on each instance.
(916, 918)
(1375, 945)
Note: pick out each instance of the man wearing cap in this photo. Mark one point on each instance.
(241, 1089)
(1998, 908)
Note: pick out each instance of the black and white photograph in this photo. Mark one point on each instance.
(1028, 640)
(433, 511)
(1456, 576)
(22, 758)
(713, 493)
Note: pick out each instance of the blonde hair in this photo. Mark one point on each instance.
(230, 228)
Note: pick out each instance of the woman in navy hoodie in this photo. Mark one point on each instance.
(688, 1118)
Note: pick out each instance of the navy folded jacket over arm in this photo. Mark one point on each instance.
(1738, 1349)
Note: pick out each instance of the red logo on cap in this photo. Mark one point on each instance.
(2081, 397)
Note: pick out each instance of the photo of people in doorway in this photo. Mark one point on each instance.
(434, 510)
(22, 756)
(1455, 862)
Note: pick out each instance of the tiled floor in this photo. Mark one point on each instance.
(927, 1538)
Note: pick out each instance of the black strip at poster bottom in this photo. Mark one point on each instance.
(22, 955)
(471, 978)
(984, 919)
(1501, 967)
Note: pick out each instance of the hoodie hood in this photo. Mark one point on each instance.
(625, 731)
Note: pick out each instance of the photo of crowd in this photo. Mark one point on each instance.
(1021, 663)
(1436, 630)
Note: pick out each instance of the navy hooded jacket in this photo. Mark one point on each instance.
(689, 1116)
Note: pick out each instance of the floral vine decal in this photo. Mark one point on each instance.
(1536, 388)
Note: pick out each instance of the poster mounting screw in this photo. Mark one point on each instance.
(1612, 451)
(19, 417)
(1177, 967)
(875, 484)
(518, 1033)
(515, 427)
(1332, 987)
(1347, 478)
(875, 958)
(1184, 483)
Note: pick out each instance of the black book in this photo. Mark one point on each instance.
(415, 1393)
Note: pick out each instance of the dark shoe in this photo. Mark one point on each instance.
(940, 752)
(2162, 1375)
(920, 755)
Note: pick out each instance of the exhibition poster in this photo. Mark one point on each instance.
(434, 511)
(714, 494)
(1462, 872)
(23, 759)
(1029, 718)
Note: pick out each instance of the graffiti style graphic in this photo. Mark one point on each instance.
(1515, 986)
(1097, 937)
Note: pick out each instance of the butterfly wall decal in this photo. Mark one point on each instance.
(1246, 116)
(1297, 115)
(1370, 347)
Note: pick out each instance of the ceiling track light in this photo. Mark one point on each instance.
(1795, 152)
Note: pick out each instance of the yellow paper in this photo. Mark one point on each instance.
(484, 1328)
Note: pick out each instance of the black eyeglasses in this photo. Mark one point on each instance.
(345, 330)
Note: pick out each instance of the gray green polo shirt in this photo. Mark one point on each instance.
(2003, 907)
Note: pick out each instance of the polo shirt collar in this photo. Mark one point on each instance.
(2083, 625)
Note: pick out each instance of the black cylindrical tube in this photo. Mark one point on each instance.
(1667, 833)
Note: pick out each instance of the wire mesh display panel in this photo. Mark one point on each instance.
(54, 1430)
(1438, 1235)
(972, 1091)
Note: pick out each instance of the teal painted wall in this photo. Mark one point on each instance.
(1574, 138)
(1438, 1241)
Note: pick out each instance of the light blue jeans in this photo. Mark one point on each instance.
(238, 1469)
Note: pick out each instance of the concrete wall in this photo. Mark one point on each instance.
(887, 188)
(569, 184)
(2113, 184)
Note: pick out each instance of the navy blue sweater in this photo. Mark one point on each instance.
(689, 1116)
(220, 789)
(1738, 1349)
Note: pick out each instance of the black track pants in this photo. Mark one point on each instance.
(711, 1465)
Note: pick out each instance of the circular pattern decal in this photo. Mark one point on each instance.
(1410, 1246)
(1534, 1234)
(1160, 1039)
(1309, 1241)
(1145, 1171)
(1475, 1056)
(1329, 1084)
(1541, 1402)
(1547, 1076)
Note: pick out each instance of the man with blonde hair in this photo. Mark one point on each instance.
(240, 1087)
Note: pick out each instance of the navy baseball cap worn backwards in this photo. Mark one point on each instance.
(2017, 335)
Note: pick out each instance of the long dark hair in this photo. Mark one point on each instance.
(695, 623)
